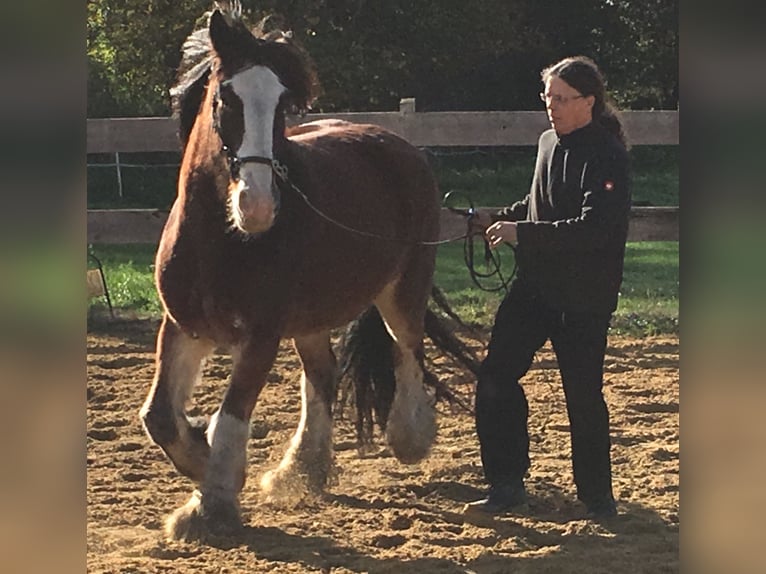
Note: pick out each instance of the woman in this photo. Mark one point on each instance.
(569, 233)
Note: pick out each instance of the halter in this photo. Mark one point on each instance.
(277, 167)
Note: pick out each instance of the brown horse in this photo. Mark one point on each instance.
(280, 234)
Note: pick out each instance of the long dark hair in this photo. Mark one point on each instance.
(583, 75)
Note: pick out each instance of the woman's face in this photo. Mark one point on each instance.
(567, 108)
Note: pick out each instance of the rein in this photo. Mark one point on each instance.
(280, 170)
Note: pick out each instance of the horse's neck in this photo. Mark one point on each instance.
(203, 176)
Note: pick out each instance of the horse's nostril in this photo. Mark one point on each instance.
(245, 200)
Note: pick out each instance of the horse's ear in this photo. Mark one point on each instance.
(221, 34)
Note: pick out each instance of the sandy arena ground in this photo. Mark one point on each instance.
(380, 516)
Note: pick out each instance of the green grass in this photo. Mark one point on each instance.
(129, 273)
(649, 295)
(648, 303)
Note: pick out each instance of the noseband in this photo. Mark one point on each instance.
(277, 167)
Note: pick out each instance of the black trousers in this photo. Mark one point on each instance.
(522, 325)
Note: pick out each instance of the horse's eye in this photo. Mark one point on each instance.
(227, 93)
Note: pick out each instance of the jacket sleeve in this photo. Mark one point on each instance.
(519, 211)
(603, 218)
(515, 212)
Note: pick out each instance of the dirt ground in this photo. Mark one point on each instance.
(380, 515)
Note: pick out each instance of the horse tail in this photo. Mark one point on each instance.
(367, 369)
(366, 360)
(442, 333)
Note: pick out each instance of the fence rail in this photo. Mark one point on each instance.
(427, 129)
(434, 129)
(125, 226)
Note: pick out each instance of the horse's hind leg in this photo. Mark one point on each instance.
(178, 367)
(214, 507)
(411, 426)
(308, 460)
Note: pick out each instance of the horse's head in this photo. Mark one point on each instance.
(256, 79)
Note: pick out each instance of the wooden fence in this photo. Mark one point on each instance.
(429, 129)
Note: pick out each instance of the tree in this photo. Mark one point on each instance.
(133, 51)
(641, 52)
(448, 54)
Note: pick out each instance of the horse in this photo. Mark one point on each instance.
(276, 234)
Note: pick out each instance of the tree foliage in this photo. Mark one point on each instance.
(448, 54)
(133, 51)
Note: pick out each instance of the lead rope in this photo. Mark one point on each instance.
(491, 257)
(280, 170)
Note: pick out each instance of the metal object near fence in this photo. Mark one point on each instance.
(96, 281)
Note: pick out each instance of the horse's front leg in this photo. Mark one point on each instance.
(178, 366)
(308, 460)
(214, 506)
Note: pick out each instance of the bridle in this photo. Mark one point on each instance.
(277, 167)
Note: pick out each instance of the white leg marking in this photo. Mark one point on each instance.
(411, 427)
(309, 452)
(227, 437)
(314, 431)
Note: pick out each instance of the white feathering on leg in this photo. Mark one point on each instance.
(411, 427)
(227, 436)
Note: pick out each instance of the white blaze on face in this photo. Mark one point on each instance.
(253, 205)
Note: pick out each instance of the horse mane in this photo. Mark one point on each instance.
(193, 73)
(275, 49)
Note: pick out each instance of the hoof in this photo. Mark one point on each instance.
(203, 516)
(288, 487)
(410, 453)
(411, 441)
(183, 441)
(284, 486)
(298, 475)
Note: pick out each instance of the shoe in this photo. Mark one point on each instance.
(603, 507)
(500, 499)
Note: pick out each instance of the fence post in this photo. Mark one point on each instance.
(407, 105)
(119, 173)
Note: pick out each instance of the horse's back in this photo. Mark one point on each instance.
(330, 135)
(355, 153)
(314, 128)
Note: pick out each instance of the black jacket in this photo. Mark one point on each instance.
(572, 226)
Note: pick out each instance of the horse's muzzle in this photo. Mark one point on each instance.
(252, 210)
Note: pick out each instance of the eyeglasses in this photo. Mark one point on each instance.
(558, 99)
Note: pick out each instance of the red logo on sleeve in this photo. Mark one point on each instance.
(608, 185)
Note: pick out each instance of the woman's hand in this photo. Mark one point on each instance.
(501, 232)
